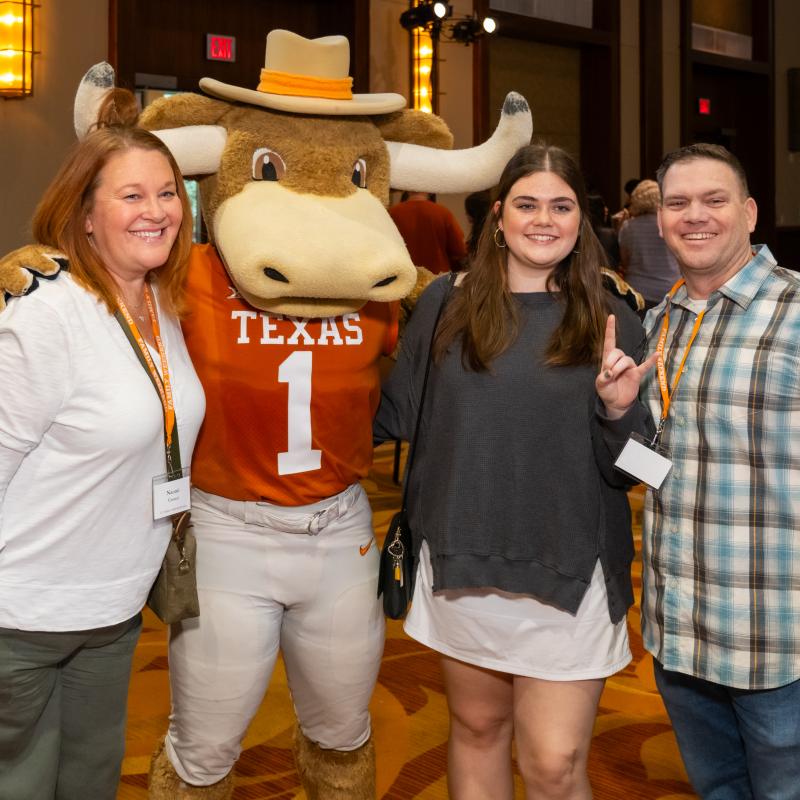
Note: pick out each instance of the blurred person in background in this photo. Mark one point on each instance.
(476, 206)
(623, 215)
(432, 235)
(605, 234)
(646, 262)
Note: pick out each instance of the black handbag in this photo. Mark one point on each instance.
(397, 568)
(396, 576)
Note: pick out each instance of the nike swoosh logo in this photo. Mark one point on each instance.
(363, 548)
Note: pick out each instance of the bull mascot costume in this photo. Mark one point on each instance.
(291, 308)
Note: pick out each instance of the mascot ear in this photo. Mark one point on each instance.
(415, 127)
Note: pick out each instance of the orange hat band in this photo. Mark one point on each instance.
(288, 83)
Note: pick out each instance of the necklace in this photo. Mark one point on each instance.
(137, 311)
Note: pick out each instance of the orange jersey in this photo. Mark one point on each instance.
(289, 401)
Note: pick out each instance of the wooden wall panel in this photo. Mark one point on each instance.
(549, 77)
(651, 86)
(597, 90)
(742, 95)
(151, 36)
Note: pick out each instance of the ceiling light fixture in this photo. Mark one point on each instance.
(437, 19)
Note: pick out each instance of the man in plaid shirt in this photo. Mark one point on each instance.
(721, 543)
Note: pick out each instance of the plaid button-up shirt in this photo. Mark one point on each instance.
(721, 543)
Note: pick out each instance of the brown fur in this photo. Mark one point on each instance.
(15, 277)
(335, 774)
(424, 278)
(415, 127)
(183, 109)
(319, 151)
(165, 784)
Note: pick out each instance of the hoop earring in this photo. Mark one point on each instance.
(494, 236)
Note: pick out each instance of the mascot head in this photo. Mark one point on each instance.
(295, 175)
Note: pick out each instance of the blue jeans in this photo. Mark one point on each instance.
(737, 744)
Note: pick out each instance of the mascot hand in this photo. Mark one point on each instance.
(20, 268)
(613, 282)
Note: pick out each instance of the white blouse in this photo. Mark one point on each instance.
(81, 439)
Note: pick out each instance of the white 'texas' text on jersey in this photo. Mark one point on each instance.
(344, 330)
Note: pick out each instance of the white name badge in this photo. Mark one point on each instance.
(171, 497)
(642, 463)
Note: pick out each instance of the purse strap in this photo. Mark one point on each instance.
(412, 448)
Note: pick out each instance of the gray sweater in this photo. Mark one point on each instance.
(513, 485)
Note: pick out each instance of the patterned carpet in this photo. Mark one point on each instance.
(634, 755)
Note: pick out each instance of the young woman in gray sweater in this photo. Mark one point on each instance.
(521, 524)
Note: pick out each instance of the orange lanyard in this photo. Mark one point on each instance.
(668, 393)
(161, 382)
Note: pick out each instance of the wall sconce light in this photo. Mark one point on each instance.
(16, 48)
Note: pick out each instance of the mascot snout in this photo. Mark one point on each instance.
(289, 250)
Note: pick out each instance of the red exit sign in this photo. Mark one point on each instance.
(220, 48)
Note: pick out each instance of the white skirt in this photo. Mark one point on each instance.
(516, 633)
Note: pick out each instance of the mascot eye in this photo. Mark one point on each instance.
(267, 165)
(359, 176)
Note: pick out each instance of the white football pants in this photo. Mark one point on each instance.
(301, 579)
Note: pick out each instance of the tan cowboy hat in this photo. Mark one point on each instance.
(306, 76)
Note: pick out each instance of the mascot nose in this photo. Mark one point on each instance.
(275, 275)
(385, 281)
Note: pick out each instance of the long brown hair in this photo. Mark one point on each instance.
(483, 316)
(60, 217)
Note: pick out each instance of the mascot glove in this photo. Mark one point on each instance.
(21, 269)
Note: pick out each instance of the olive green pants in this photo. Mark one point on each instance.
(63, 699)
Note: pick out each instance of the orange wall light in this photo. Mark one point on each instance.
(16, 48)
(422, 69)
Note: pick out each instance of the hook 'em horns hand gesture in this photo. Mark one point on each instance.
(618, 382)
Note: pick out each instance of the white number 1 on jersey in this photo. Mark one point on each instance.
(296, 371)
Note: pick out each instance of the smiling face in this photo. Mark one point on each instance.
(135, 213)
(540, 221)
(706, 221)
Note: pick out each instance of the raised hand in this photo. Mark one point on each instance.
(620, 376)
